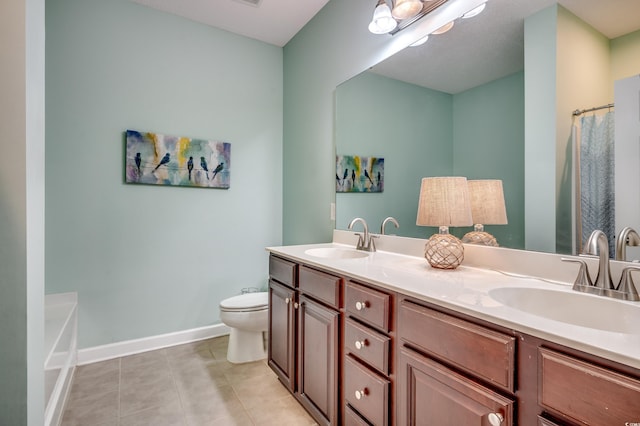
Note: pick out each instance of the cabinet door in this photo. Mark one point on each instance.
(318, 355)
(432, 394)
(586, 393)
(282, 332)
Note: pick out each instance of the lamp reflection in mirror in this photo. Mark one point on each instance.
(487, 208)
(444, 202)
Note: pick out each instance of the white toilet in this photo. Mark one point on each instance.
(247, 316)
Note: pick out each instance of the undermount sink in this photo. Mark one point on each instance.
(579, 309)
(336, 253)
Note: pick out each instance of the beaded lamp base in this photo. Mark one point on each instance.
(480, 238)
(444, 251)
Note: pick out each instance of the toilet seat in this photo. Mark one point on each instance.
(248, 302)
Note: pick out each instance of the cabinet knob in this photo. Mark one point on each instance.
(495, 419)
(361, 344)
(287, 300)
(361, 393)
(295, 305)
(360, 306)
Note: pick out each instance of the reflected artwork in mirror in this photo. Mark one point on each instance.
(464, 104)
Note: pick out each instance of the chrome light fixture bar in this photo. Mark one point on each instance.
(427, 7)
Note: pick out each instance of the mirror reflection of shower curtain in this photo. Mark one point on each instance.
(596, 185)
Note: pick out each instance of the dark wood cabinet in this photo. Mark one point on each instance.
(318, 358)
(432, 394)
(282, 336)
(354, 353)
(304, 336)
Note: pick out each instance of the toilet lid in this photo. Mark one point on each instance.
(246, 301)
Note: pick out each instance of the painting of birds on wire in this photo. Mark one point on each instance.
(156, 159)
(359, 174)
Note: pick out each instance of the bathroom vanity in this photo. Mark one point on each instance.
(383, 339)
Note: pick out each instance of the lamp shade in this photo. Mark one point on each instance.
(487, 202)
(444, 201)
(405, 9)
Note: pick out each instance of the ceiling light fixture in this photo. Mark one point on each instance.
(474, 12)
(382, 21)
(403, 12)
(420, 41)
(405, 9)
(443, 29)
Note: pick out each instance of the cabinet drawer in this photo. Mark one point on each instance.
(283, 271)
(351, 418)
(546, 422)
(320, 285)
(367, 392)
(368, 345)
(586, 393)
(367, 304)
(486, 353)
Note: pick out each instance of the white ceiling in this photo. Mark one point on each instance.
(490, 46)
(272, 21)
(452, 62)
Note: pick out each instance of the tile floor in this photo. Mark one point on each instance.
(190, 384)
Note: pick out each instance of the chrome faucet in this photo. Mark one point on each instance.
(598, 244)
(387, 220)
(365, 242)
(627, 237)
(603, 285)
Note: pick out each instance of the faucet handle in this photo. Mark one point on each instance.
(360, 244)
(372, 244)
(626, 286)
(583, 279)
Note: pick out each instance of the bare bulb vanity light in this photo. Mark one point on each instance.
(444, 202)
(391, 16)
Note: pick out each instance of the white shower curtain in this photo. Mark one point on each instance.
(596, 173)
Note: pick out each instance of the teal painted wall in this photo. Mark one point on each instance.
(407, 125)
(540, 130)
(488, 143)
(420, 132)
(147, 260)
(22, 212)
(333, 47)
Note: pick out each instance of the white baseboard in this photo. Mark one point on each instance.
(130, 347)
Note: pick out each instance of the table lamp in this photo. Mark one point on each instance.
(444, 202)
(487, 208)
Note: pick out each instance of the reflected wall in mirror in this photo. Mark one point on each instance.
(467, 118)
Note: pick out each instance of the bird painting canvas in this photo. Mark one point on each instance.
(156, 159)
(359, 174)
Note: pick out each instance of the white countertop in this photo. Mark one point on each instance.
(467, 290)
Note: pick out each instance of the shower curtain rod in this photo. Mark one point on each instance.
(582, 111)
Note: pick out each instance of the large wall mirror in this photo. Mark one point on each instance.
(456, 106)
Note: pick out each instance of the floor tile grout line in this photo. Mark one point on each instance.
(175, 387)
(119, 389)
(233, 389)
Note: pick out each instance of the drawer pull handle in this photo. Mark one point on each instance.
(287, 300)
(361, 393)
(360, 306)
(495, 419)
(361, 344)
